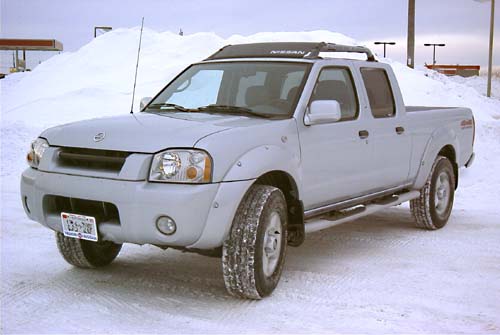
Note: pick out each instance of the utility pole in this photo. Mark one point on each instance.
(410, 48)
(490, 55)
(434, 51)
(384, 43)
(490, 60)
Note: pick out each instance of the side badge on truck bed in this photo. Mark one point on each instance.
(465, 124)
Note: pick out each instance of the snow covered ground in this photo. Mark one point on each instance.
(377, 274)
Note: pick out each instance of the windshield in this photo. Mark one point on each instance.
(269, 89)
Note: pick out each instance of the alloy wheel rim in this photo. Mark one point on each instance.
(272, 245)
(442, 193)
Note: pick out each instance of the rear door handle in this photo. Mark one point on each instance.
(363, 134)
(400, 130)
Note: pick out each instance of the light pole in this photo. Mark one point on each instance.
(385, 43)
(490, 59)
(434, 52)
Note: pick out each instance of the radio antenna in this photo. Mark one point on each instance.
(136, 67)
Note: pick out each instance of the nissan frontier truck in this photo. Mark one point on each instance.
(242, 155)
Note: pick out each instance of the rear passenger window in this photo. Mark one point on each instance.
(337, 84)
(379, 92)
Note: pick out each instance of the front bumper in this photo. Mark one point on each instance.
(203, 213)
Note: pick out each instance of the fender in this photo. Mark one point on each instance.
(263, 159)
(236, 182)
(221, 214)
(440, 138)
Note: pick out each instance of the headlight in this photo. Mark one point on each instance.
(36, 151)
(181, 166)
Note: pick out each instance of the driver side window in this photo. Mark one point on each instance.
(337, 84)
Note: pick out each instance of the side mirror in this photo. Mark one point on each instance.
(144, 102)
(323, 111)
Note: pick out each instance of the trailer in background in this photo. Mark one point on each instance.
(456, 70)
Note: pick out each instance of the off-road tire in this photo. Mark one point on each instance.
(243, 250)
(86, 254)
(423, 208)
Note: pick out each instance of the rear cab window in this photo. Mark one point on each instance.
(379, 91)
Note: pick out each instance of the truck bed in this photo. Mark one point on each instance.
(453, 122)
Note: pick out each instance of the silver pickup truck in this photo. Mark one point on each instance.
(242, 155)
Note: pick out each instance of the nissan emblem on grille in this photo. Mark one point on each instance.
(99, 137)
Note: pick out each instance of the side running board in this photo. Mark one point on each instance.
(357, 212)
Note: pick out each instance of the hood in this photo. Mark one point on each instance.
(143, 132)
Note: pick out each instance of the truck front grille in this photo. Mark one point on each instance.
(91, 159)
(102, 211)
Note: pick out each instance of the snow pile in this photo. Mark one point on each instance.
(479, 83)
(97, 81)
(428, 88)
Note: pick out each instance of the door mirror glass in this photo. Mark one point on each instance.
(323, 111)
(144, 102)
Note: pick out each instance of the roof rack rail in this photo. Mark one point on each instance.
(307, 50)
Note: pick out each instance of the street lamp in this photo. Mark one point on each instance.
(490, 59)
(385, 43)
(434, 45)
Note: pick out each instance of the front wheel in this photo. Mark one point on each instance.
(254, 252)
(433, 208)
(86, 254)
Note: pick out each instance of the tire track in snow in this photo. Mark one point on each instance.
(18, 294)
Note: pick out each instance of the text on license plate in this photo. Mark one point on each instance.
(79, 226)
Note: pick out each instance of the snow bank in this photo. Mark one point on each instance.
(479, 83)
(424, 87)
(97, 81)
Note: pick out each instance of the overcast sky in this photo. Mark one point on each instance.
(462, 24)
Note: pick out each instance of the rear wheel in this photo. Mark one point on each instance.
(87, 254)
(254, 252)
(433, 208)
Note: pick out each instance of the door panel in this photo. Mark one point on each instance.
(392, 152)
(336, 161)
(389, 137)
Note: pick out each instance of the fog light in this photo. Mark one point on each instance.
(166, 225)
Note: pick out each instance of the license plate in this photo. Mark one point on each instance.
(79, 226)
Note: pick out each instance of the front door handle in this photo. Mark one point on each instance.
(363, 134)
(400, 130)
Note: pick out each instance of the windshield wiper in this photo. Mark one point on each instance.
(234, 110)
(223, 109)
(178, 107)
